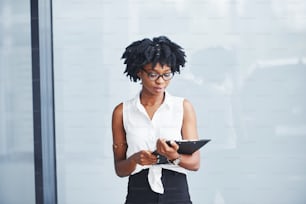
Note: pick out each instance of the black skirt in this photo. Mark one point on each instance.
(175, 189)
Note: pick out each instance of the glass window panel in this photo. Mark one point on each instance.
(245, 76)
(17, 183)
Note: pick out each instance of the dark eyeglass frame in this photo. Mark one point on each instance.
(156, 76)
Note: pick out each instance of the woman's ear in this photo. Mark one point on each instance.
(139, 74)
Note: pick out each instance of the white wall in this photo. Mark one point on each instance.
(245, 76)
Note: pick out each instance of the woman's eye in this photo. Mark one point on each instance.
(167, 74)
(152, 74)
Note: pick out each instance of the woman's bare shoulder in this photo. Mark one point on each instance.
(118, 110)
(187, 105)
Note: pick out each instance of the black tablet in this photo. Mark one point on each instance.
(189, 146)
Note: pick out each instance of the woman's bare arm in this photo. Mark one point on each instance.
(189, 132)
(125, 166)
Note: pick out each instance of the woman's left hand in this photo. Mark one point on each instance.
(168, 151)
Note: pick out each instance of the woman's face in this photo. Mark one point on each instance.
(153, 78)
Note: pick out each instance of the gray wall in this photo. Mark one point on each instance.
(245, 76)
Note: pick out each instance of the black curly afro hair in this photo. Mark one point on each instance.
(159, 50)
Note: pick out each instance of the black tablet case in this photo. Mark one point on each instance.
(185, 147)
(190, 146)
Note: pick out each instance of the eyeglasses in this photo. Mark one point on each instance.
(154, 76)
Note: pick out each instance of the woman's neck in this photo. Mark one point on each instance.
(151, 100)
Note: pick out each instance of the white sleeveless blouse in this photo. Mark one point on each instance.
(142, 132)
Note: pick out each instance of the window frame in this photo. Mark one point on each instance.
(43, 102)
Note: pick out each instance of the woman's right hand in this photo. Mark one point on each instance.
(144, 157)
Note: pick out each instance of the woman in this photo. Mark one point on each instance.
(141, 126)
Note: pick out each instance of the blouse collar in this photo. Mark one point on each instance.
(166, 103)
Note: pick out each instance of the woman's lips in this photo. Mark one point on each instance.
(158, 89)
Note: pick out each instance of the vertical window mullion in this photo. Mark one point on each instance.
(43, 102)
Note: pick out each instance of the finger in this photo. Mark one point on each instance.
(160, 143)
(150, 156)
(174, 145)
(159, 140)
(142, 158)
(164, 144)
(153, 160)
(150, 160)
